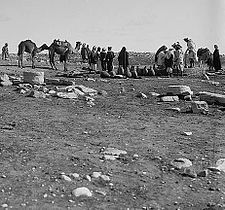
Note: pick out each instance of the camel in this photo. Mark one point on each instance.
(29, 47)
(63, 49)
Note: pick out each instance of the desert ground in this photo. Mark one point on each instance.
(51, 146)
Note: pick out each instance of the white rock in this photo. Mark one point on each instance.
(221, 164)
(212, 98)
(179, 90)
(169, 98)
(181, 163)
(82, 191)
(75, 175)
(114, 152)
(69, 95)
(141, 95)
(154, 94)
(105, 178)
(4, 205)
(66, 178)
(187, 133)
(96, 174)
(88, 178)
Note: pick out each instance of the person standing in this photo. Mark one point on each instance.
(216, 58)
(190, 55)
(178, 58)
(123, 59)
(94, 59)
(84, 53)
(103, 59)
(109, 59)
(169, 62)
(89, 55)
(5, 52)
(99, 68)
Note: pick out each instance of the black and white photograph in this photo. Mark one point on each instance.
(112, 105)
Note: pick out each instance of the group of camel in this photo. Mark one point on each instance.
(62, 48)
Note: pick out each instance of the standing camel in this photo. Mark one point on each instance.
(63, 49)
(29, 47)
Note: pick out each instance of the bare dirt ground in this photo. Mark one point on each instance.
(48, 137)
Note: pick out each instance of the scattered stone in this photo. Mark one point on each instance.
(102, 93)
(5, 81)
(174, 109)
(112, 153)
(66, 178)
(70, 95)
(203, 173)
(105, 178)
(33, 77)
(212, 98)
(135, 156)
(187, 98)
(86, 90)
(96, 174)
(100, 192)
(37, 94)
(169, 98)
(4, 205)
(45, 195)
(109, 157)
(221, 164)
(181, 163)
(214, 169)
(199, 107)
(206, 77)
(154, 94)
(190, 172)
(187, 133)
(82, 191)
(75, 175)
(141, 95)
(88, 178)
(179, 90)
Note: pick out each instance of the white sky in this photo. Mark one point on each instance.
(140, 25)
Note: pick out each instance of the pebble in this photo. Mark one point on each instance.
(82, 191)
(66, 178)
(181, 163)
(4, 205)
(203, 173)
(101, 192)
(187, 133)
(45, 195)
(75, 175)
(190, 172)
(105, 178)
(88, 178)
(96, 174)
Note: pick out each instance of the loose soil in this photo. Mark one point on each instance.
(42, 138)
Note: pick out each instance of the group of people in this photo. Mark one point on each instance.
(97, 58)
(175, 59)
